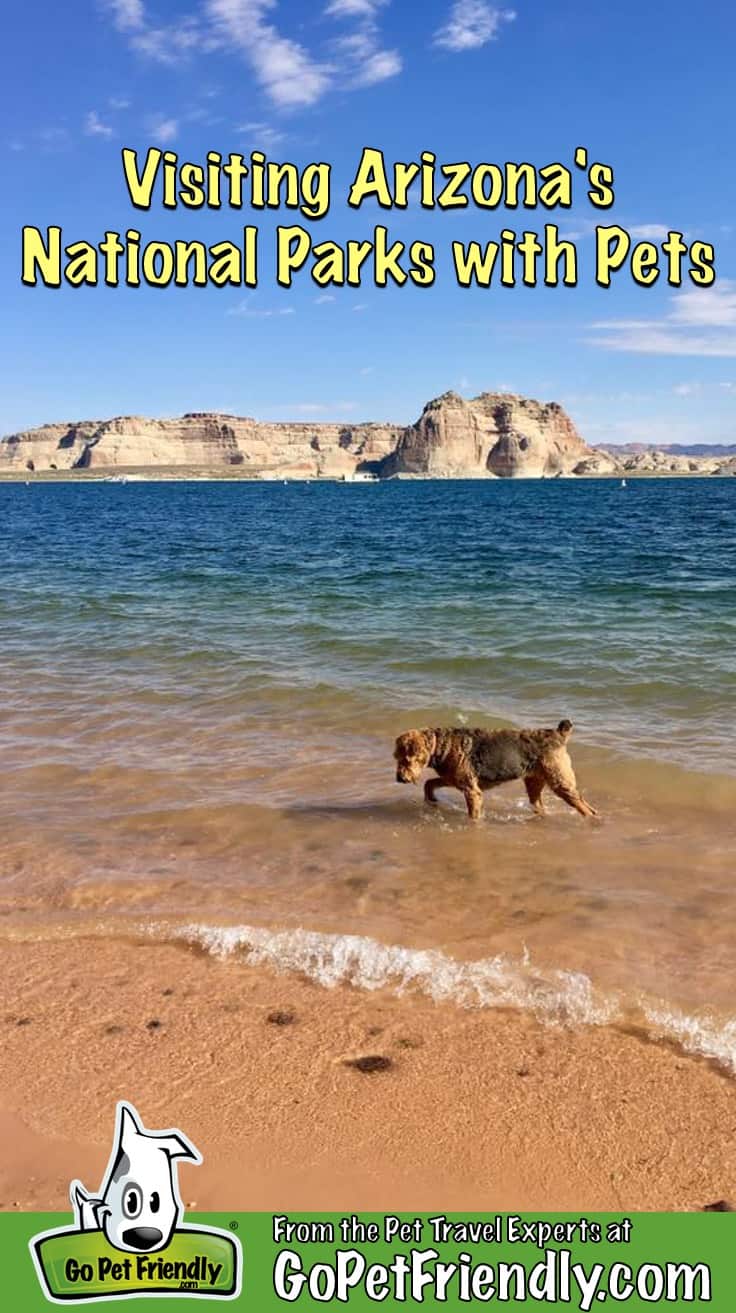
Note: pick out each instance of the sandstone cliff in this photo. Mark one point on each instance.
(495, 434)
(201, 441)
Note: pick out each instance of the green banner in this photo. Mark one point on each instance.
(445, 1261)
(74, 1266)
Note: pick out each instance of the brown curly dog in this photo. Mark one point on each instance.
(472, 760)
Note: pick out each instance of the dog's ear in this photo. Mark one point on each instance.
(565, 728)
(177, 1146)
(415, 743)
(129, 1126)
(400, 745)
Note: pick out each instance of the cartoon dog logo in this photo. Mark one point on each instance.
(138, 1213)
(138, 1206)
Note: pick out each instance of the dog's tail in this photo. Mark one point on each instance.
(565, 728)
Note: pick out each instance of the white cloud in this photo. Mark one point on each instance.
(699, 323)
(289, 74)
(262, 134)
(94, 127)
(649, 232)
(664, 342)
(200, 114)
(471, 24)
(384, 64)
(54, 138)
(127, 15)
(376, 66)
(285, 70)
(245, 310)
(354, 8)
(358, 308)
(324, 298)
(174, 44)
(367, 62)
(163, 130)
(714, 307)
(118, 102)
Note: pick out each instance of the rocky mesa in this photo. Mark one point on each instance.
(494, 435)
(497, 433)
(204, 442)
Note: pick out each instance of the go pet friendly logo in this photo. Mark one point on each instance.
(127, 1240)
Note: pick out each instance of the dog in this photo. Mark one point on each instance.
(138, 1206)
(472, 760)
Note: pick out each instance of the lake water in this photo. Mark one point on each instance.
(201, 684)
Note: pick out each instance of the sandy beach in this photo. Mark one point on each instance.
(474, 1110)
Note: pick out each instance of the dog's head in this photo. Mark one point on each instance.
(140, 1204)
(412, 753)
(565, 728)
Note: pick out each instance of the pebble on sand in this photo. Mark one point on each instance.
(369, 1063)
(278, 1018)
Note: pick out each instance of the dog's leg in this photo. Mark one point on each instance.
(560, 777)
(575, 800)
(430, 790)
(534, 785)
(473, 801)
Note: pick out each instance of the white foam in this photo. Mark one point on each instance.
(701, 1035)
(555, 996)
(365, 963)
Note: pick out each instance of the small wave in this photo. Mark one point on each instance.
(552, 995)
(365, 963)
(707, 1038)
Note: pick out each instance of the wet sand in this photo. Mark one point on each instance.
(473, 1109)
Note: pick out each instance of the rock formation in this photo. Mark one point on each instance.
(496, 434)
(203, 442)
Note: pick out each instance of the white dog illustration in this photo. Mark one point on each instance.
(138, 1205)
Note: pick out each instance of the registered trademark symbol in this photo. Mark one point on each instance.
(233, 1225)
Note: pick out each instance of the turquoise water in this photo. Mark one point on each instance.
(526, 600)
(201, 684)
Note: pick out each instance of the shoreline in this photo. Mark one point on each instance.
(195, 474)
(469, 1110)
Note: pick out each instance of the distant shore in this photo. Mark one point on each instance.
(194, 474)
(493, 435)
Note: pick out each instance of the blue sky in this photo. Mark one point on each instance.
(647, 88)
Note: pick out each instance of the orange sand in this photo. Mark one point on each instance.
(478, 1110)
